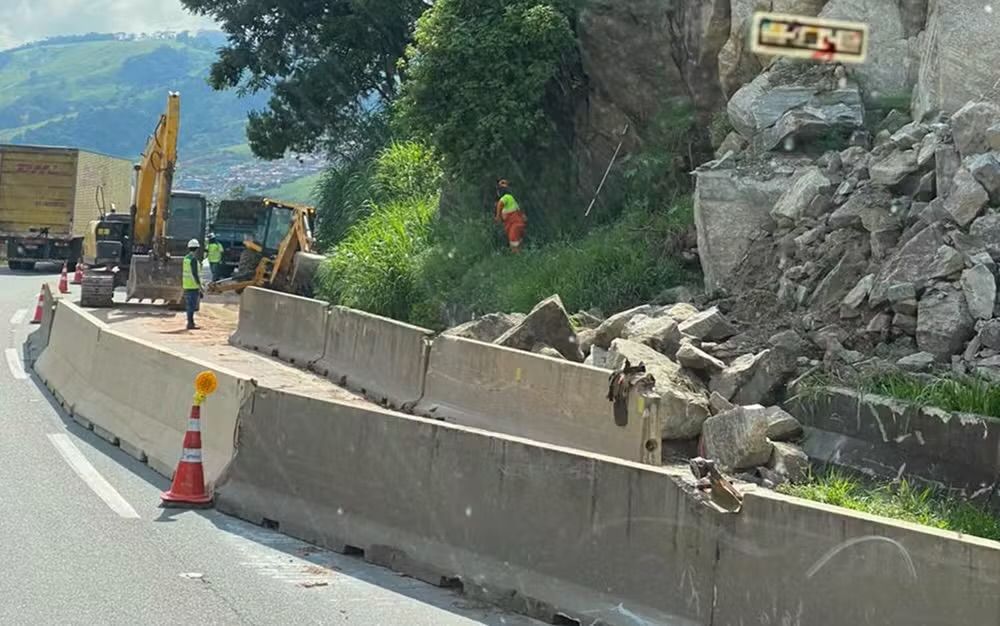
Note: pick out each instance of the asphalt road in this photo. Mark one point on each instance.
(83, 540)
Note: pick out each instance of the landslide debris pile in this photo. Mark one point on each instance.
(705, 393)
(884, 257)
(874, 257)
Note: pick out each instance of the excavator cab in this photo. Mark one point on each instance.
(156, 274)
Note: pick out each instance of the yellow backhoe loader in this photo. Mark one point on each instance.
(280, 255)
(139, 250)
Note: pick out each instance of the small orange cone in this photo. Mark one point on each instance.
(37, 319)
(78, 275)
(188, 487)
(64, 281)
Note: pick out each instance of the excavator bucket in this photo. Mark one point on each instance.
(151, 278)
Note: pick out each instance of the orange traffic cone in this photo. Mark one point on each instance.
(37, 319)
(188, 487)
(78, 275)
(64, 281)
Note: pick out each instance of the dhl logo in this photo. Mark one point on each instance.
(810, 38)
(38, 168)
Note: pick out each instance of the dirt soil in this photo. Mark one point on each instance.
(217, 319)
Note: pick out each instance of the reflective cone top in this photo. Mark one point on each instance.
(78, 275)
(37, 319)
(64, 281)
(188, 487)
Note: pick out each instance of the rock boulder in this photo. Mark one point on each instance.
(737, 439)
(547, 324)
(683, 400)
(487, 328)
(944, 324)
(613, 327)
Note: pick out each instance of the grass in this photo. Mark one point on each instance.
(612, 267)
(901, 501)
(965, 394)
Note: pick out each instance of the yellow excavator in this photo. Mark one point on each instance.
(136, 250)
(280, 254)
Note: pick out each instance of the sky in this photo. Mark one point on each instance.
(22, 21)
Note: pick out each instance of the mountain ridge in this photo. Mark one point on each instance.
(105, 91)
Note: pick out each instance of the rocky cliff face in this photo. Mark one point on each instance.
(641, 56)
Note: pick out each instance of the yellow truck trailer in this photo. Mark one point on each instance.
(48, 196)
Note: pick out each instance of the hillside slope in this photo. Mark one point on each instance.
(105, 92)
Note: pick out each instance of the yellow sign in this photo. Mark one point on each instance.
(813, 38)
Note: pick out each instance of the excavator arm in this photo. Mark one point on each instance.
(154, 176)
(153, 274)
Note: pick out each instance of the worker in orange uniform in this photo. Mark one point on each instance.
(510, 214)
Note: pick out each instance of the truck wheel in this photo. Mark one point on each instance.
(98, 291)
(14, 265)
(28, 266)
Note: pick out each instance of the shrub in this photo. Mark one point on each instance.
(373, 267)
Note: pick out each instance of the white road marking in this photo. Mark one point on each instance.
(14, 363)
(72, 455)
(18, 317)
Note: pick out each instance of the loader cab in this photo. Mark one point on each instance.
(273, 225)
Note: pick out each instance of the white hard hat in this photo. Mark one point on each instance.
(193, 244)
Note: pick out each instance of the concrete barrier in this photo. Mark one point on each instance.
(528, 395)
(887, 437)
(67, 364)
(382, 358)
(551, 531)
(138, 395)
(39, 339)
(281, 325)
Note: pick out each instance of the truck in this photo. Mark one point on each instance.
(234, 223)
(49, 196)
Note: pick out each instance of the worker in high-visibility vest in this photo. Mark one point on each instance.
(191, 282)
(213, 252)
(509, 213)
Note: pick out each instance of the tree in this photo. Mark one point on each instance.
(329, 64)
(478, 78)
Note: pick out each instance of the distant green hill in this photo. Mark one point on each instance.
(302, 190)
(106, 92)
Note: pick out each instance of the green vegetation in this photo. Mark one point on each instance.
(422, 107)
(302, 190)
(900, 500)
(964, 394)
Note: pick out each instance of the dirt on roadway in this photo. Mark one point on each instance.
(217, 320)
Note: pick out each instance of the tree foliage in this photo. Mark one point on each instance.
(328, 64)
(477, 75)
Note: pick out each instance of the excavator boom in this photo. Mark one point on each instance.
(154, 274)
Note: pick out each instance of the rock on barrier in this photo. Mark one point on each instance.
(138, 395)
(384, 359)
(888, 437)
(281, 325)
(529, 395)
(550, 531)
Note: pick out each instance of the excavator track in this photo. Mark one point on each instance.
(98, 291)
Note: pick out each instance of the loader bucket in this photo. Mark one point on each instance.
(304, 273)
(156, 279)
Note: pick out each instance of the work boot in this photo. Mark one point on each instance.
(193, 327)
